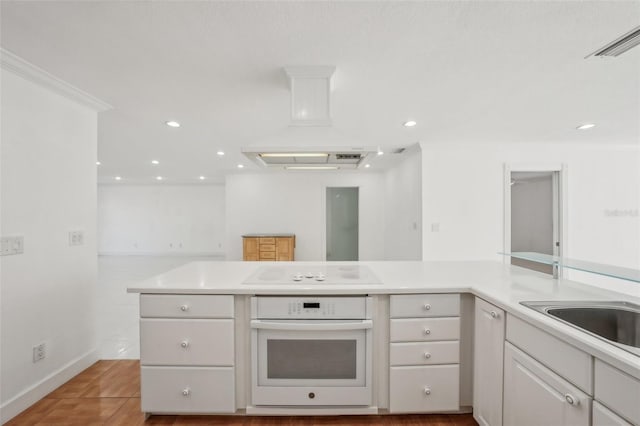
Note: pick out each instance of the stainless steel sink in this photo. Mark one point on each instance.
(615, 322)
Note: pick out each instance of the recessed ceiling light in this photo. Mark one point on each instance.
(586, 126)
(380, 152)
(172, 124)
(202, 178)
(98, 163)
(312, 167)
(367, 165)
(240, 166)
(409, 123)
(220, 153)
(158, 177)
(118, 178)
(155, 162)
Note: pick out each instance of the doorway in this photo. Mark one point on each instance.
(534, 214)
(342, 223)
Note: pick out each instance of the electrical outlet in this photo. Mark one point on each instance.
(39, 352)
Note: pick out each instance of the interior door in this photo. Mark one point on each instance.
(534, 216)
(342, 224)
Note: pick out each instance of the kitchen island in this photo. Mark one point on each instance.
(213, 301)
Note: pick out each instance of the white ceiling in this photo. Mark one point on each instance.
(475, 71)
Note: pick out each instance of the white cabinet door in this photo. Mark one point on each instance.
(535, 395)
(488, 362)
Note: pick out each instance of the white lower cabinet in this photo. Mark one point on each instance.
(424, 389)
(187, 354)
(424, 353)
(602, 416)
(618, 391)
(535, 395)
(489, 331)
(187, 389)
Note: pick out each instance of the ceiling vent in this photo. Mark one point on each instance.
(310, 95)
(619, 45)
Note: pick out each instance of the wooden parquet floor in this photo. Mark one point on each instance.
(108, 393)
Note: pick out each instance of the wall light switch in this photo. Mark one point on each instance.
(76, 238)
(11, 245)
(435, 227)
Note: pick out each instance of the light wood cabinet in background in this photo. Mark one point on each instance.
(268, 247)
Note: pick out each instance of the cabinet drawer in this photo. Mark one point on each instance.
(618, 391)
(424, 305)
(267, 240)
(424, 389)
(602, 416)
(187, 390)
(566, 360)
(186, 342)
(186, 306)
(267, 255)
(424, 329)
(267, 247)
(424, 353)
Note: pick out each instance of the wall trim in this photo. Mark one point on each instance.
(34, 393)
(12, 62)
(220, 255)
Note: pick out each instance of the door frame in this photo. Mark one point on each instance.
(323, 242)
(560, 232)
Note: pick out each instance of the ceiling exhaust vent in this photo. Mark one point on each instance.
(310, 95)
(348, 156)
(619, 45)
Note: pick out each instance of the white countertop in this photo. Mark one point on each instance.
(501, 284)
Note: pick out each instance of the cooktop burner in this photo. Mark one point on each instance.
(313, 274)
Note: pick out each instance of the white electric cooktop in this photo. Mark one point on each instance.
(310, 274)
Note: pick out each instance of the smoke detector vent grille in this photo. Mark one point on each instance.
(620, 45)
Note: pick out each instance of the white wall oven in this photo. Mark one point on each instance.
(311, 351)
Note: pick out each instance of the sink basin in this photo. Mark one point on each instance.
(615, 322)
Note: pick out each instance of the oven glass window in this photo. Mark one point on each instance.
(311, 359)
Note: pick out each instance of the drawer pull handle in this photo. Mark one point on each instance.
(493, 314)
(571, 400)
(427, 307)
(184, 344)
(186, 392)
(427, 355)
(427, 331)
(427, 391)
(184, 308)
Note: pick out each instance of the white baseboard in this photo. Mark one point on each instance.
(309, 411)
(217, 255)
(36, 392)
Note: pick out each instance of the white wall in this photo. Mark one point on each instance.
(403, 215)
(48, 188)
(463, 192)
(294, 203)
(161, 219)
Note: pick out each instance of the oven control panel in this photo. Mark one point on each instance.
(290, 307)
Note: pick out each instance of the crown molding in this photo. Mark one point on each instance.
(11, 62)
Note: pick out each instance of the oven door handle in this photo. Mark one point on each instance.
(311, 326)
